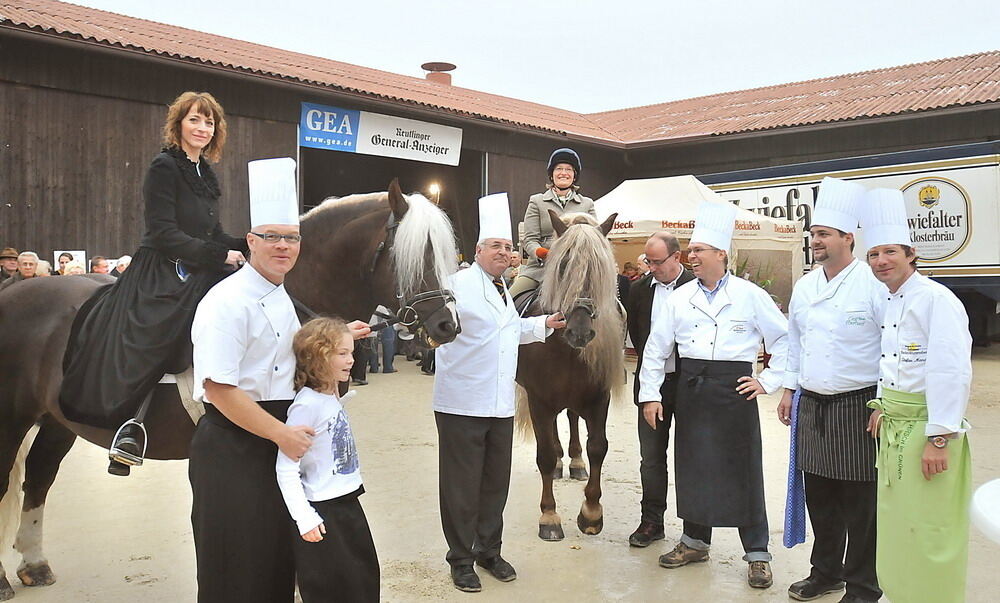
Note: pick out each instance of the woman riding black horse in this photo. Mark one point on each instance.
(135, 330)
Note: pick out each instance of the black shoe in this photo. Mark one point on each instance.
(389, 371)
(645, 534)
(465, 579)
(497, 566)
(813, 588)
(359, 382)
(856, 599)
(127, 449)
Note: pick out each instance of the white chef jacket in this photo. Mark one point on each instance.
(474, 374)
(834, 334)
(242, 335)
(330, 468)
(730, 327)
(927, 348)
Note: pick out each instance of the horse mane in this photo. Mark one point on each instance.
(582, 264)
(423, 225)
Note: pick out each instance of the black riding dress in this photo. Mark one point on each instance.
(136, 329)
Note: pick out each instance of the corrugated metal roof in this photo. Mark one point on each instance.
(926, 86)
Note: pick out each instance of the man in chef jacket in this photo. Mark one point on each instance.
(925, 373)
(243, 372)
(718, 322)
(474, 402)
(834, 334)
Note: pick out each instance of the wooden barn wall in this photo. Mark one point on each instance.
(848, 140)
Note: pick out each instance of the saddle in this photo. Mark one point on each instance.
(523, 300)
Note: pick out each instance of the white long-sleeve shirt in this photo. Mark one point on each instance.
(834, 334)
(730, 327)
(329, 469)
(927, 348)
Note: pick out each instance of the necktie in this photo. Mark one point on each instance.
(499, 285)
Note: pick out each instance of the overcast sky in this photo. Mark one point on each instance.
(596, 55)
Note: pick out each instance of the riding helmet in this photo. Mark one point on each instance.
(564, 155)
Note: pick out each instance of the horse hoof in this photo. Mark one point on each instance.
(551, 533)
(38, 574)
(589, 527)
(6, 591)
(557, 473)
(579, 473)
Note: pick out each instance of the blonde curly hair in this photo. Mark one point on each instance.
(314, 346)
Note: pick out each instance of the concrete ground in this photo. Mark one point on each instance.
(113, 540)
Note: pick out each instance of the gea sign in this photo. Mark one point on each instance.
(336, 129)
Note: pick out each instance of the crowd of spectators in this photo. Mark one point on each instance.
(17, 266)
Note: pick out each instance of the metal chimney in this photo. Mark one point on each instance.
(438, 72)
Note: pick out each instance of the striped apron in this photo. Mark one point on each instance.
(923, 526)
(833, 441)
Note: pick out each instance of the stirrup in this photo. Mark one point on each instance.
(122, 456)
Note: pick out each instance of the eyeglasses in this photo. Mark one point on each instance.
(697, 250)
(272, 237)
(656, 262)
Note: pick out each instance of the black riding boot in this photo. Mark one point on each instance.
(127, 449)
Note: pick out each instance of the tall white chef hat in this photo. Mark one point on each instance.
(494, 217)
(714, 224)
(273, 198)
(838, 204)
(883, 220)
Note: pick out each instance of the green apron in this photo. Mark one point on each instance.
(923, 526)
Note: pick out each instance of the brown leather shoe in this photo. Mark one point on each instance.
(646, 533)
(682, 555)
(759, 574)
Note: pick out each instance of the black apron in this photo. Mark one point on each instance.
(126, 336)
(717, 447)
(242, 529)
(833, 439)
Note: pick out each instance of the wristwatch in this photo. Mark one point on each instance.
(938, 441)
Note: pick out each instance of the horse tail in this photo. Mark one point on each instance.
(10, 506)
(522, 415)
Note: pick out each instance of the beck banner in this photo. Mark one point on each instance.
(336, 129)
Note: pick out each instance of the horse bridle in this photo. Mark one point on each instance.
(587, 304)
(407, 314)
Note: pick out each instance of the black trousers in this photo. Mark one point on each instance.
(240, 522)
(474, 476)
(343, 566)
(653, 443)
(842, 514)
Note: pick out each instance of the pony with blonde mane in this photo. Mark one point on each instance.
(581, 369)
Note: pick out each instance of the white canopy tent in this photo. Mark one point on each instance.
(772, 247)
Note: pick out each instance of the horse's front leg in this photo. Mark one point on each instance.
(591, 517)
(549, 524)
(557, 449)
(577, 468)
(50, 446)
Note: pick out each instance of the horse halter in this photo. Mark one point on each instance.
(408, 315)
(587, 304)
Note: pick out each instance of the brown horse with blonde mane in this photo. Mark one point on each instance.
(579, 370)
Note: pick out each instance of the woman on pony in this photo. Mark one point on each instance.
(560, 196)
(136, 329)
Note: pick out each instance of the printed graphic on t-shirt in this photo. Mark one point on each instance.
(345, 453)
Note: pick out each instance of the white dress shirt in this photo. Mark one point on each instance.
(927, 348)
(661, 293)
(330, 468)
(242, 335)
(730, 327)
(834, 334)
(474, 374)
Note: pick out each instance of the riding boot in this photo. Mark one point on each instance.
(127, 449)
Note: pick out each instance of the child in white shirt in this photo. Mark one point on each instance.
(335, 557)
